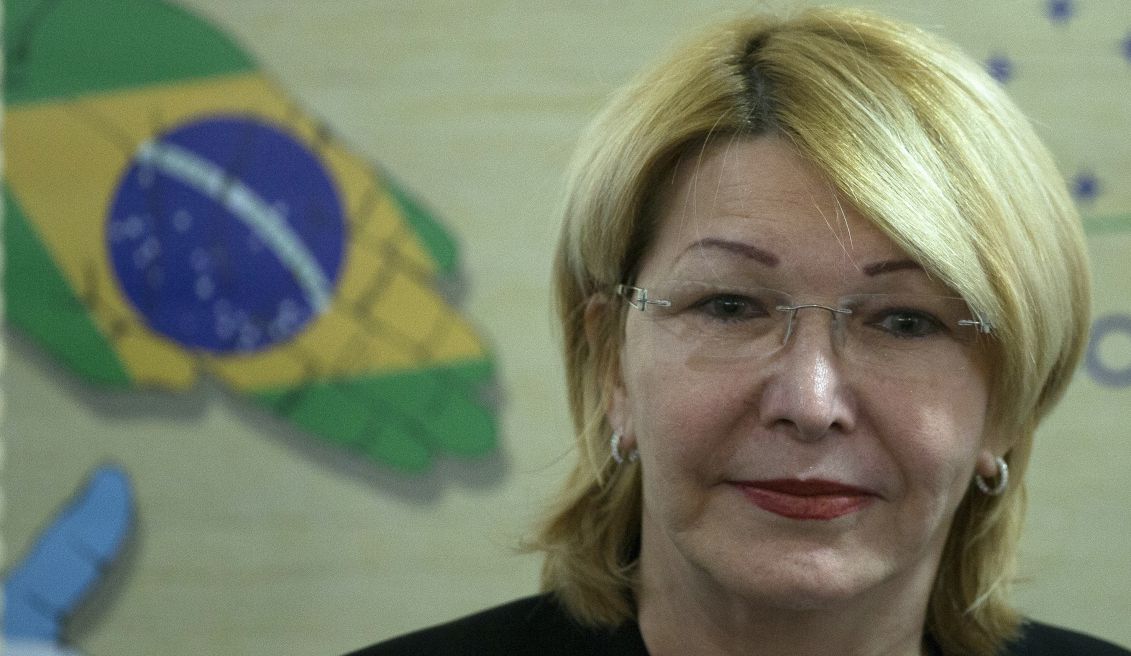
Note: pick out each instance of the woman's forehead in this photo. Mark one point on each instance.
(756, 199)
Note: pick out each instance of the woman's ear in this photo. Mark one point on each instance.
(996, 443)
(599, 336)
(596, 311)
(986, 467)
(620, 418)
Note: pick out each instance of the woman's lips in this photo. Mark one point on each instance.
(812, 499)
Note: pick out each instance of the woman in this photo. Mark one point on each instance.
(819, 283)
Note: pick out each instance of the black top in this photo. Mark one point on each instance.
(539, 626)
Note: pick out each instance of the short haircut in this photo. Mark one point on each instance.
(925, 145)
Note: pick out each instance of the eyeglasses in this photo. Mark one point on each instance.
(896, 333)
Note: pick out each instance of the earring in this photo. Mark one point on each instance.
(614, 446)
(1002, 479)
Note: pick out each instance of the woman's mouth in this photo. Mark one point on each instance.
(806, 500)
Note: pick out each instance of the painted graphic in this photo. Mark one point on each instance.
(237, 271)
(1060, 11)
(171, 214)
(1105, 361)
(64, 564)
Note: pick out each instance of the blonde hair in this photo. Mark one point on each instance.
(920, 140)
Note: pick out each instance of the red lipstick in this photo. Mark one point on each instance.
(813, 499)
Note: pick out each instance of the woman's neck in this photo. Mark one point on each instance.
(685, 611)
(672, 627)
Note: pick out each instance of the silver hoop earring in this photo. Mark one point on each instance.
(614, 446)
(1002, 479)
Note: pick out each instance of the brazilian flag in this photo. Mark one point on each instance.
(170, 213)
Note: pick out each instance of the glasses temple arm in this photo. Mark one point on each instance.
(637, 297)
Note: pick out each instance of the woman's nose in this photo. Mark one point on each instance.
(805, 391)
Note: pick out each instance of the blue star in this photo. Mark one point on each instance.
(1085, 186)
(1000, 68)
(1061, 10)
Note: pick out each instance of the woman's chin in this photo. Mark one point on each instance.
(801, 580)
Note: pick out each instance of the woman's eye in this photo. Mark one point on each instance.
(732, 307)
(908, 323)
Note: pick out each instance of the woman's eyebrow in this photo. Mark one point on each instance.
(739, 248)
(887, 266)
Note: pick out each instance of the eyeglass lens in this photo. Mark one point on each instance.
(898, 334)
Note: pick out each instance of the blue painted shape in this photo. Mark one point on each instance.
(1085, 186)
(1061, 10)
(1126, 47)
(36, 648)
(1000, 67)
(227, 235)
(1100, 371)
(68, 557)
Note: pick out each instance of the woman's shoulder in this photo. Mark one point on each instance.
(540, 626)
(1039, 639)
(532, 625)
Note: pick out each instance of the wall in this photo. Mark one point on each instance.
(253, 539)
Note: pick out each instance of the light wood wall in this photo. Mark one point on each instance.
(253, 540)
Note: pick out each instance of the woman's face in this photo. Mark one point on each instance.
(803, 472)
